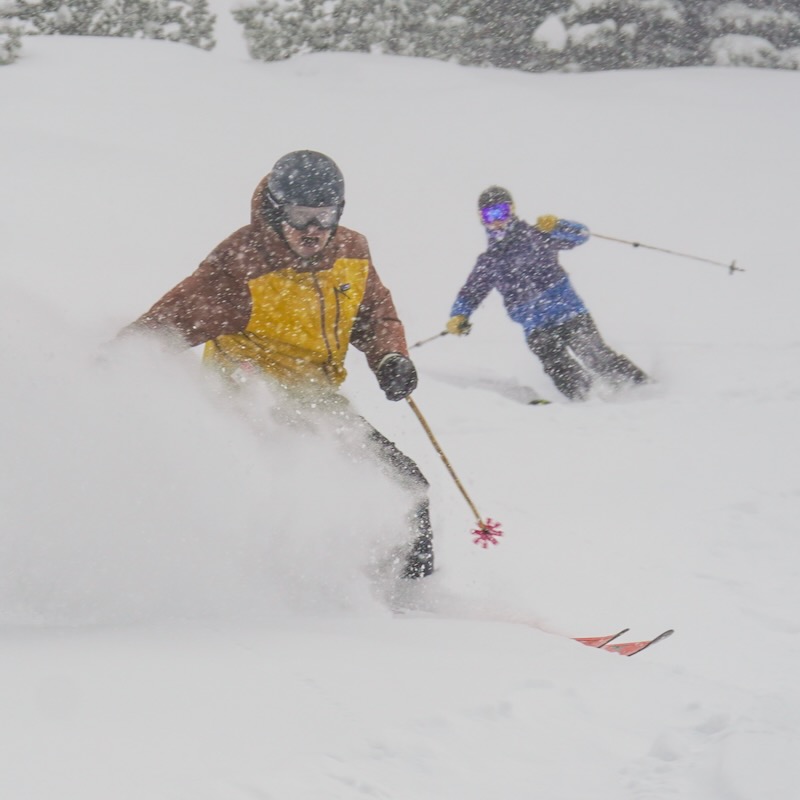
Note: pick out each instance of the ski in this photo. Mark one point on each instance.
(598, 641)
(539, 401)
(607, 643)
(632, 648)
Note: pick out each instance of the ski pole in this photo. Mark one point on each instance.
(429, 339)
(730, 267)
(487, 532)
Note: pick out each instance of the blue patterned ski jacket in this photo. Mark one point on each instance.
(523, 266)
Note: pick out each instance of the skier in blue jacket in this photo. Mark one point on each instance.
(521, 262)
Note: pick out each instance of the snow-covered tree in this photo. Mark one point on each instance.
(9, 44)
(273, 32)
(187, 21)
(277, 30)
(501, 32)
(534, 34)
(778, 23)
(734, 50)
(616, 34)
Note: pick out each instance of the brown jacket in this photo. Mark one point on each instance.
(255, 303)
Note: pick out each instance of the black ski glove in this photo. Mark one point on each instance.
(397, 376)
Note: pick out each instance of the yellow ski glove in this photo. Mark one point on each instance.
(547, 223)
(458, 325)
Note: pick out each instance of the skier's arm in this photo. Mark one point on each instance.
(379, 334)
(210, 302)
(474, 291)
(562, 233)
(377, 330)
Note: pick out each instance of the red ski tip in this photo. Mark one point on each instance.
(632, 648)
(599, 641)
(487, 533)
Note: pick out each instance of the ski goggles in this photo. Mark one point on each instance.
(497, 213)
(302, 217)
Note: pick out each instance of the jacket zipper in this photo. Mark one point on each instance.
(322, 318)
(337, 319)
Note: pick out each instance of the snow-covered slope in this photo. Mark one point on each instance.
(183, 606)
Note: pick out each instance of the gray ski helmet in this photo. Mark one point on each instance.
(306, 178)
(493, 196)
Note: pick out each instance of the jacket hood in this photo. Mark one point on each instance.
(257, 202)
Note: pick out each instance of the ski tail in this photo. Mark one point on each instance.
(632, 648)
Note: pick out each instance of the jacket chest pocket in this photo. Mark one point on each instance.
(344, 308)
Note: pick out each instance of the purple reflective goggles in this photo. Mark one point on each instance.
(302, 217)
(498, 213)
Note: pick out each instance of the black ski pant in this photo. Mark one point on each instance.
(575, 356)
(353, 432)
(419, 561)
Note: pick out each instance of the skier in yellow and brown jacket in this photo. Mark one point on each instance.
(285, 296)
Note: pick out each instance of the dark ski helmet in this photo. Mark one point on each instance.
(493, 196)
(303, 178)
